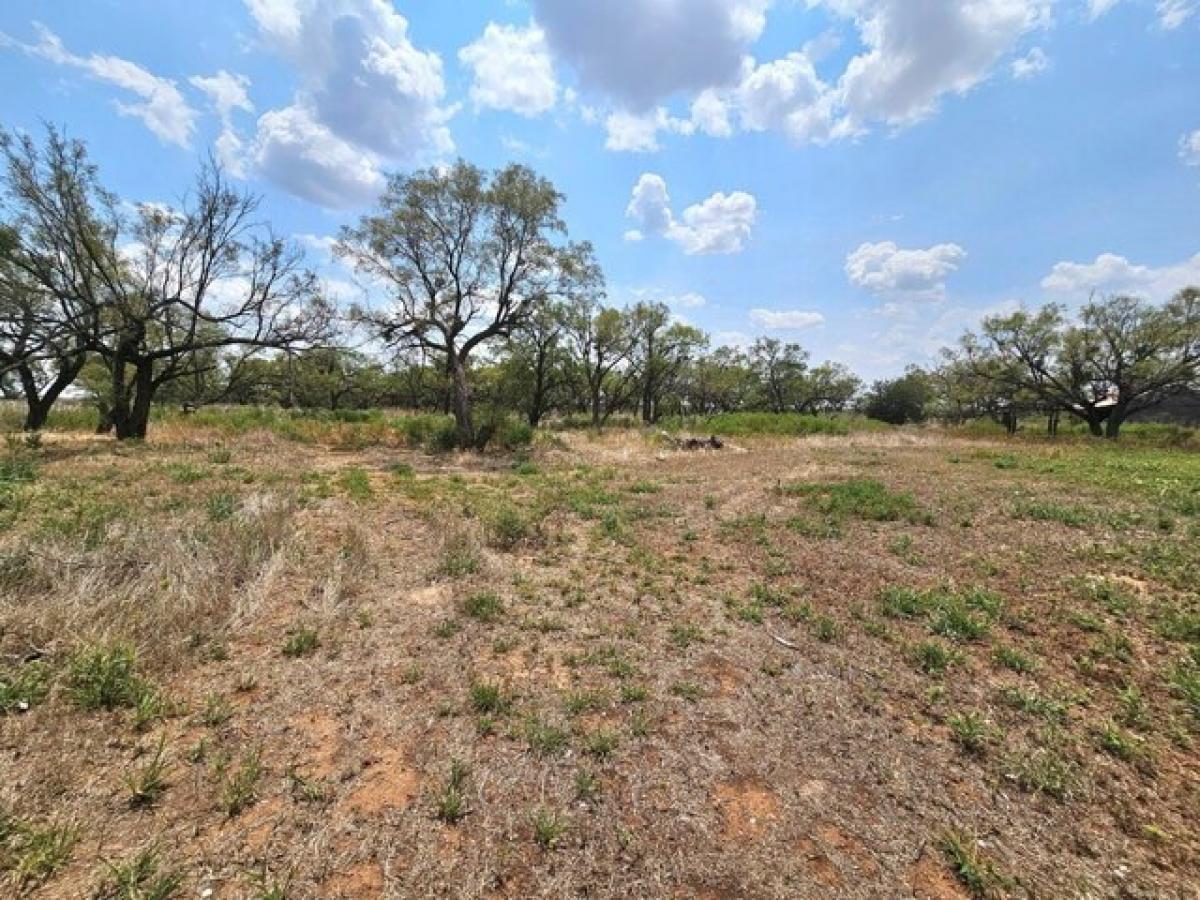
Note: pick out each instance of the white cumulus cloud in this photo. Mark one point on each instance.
(161, 107)
(512, 70)
(1097, 8)
(885, 269)
(721, 224)
(1032, 64)
(304, 157)
(638, 132)
(916, 53)
(640, 52)
(785, 319)
(788, 96)
(366, 95)
(227, 93)
(1111, 273)
(913, 55)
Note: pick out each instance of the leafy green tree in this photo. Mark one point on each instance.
(465, 256)
(829, 387)
(899, 401)
(720, 381)
(536, 363)
(1120, 356)
(780, 369)
(601, 342)
(660, 351)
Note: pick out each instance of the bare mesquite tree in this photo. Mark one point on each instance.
(157, 294)
(37, 355)
(465, 257)
(1121, 355)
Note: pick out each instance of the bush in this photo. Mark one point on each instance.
(432, 433)
(507, 526)
(513, 434)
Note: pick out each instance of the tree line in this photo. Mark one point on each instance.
(478, 304)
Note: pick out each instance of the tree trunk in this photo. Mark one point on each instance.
(38, 406)
(537, 399)
(104, 423)
(1112, 428)
(36, 413)
(461, 403)
(596, 422)
(131, 420)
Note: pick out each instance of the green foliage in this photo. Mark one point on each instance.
(301, 642)
(900, 400)
(31, 853)
(934, 658)
(862, 498)
(544, 738)
(487, 697)
(140, 878)
(1014, 659)
(970, 730)
(24, 686)
(507, 526)
(239, 789)
(460, 554)
(961, 615)
(1184, 681)
(451, 800)
(485, 606)
(548, 828)
(147, 782)
(356, 483)
(104, 676)
(977, 873)
(1046, 770)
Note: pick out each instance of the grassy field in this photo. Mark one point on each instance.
(316, 661)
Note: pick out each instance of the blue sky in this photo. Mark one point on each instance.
(866, 177)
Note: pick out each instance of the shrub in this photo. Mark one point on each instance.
(548, 828)
(356, 482)
(301, 642)
(507, 527)
(30, 853)
(486, 606)
(934, 658)
(513, 433)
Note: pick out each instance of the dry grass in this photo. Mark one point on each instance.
(339, 672)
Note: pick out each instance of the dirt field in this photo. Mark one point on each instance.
(878, 666)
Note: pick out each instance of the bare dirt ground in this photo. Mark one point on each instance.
(894, 665)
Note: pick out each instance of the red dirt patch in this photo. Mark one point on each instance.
(386, 783)
(362, 880)
(747, 807)
(929, 880)
(817, 865)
